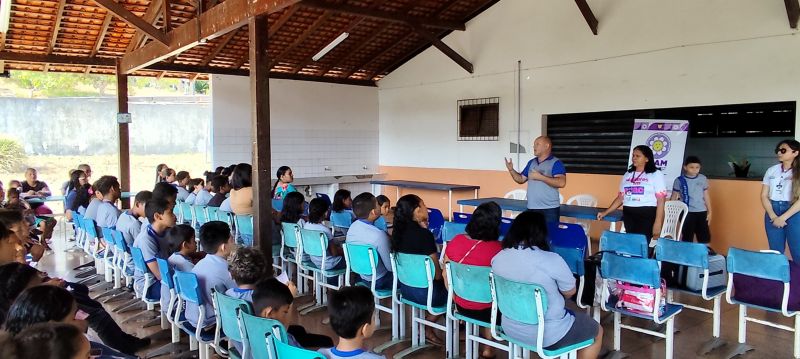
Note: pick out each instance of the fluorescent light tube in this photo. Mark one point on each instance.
(5, 15)
(330, 46)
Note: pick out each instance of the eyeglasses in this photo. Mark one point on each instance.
(780, 150)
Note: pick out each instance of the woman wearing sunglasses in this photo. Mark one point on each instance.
(779, 196)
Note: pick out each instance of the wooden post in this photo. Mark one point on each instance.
(259, 98)
(124, 140)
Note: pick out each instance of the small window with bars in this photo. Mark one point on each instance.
(478, 119)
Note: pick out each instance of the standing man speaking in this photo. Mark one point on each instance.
(545, 174)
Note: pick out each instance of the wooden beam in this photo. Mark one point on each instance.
(302, 38)
(223, 18)
(384, 15)
(124, 139)
(2, 66)
(324, 69)
(792, 11)
(273, 29)
(56, 26)
(587, 13)
(260, 133)
(166, 16)
(151, 15)
(361, 46)
(224, 42)
(103, 31)
(133, 20)
(240, 72)
(56, 59)
(447, 50)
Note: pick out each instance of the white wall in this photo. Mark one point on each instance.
(648, 54)
(313, 125)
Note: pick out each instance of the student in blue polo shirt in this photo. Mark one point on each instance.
(203, 196)
(107, 211)
(130, 221)
(545, 174)
(182, 179)
(195, 185)
(212, 271)
(352, 311)
(150, 241)
(97, 198)
(363, 231)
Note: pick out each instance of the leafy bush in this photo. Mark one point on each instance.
(12, 155)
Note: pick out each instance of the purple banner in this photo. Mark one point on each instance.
(660, 126)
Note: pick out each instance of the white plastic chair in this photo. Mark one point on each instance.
(674, 215)
(584, 200)
(520, 194)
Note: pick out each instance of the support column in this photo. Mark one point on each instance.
(262, 156)
(124, 140)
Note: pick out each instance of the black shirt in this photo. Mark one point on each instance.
(217, 200)
(417, 240)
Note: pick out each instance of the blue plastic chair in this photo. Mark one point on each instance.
(567, 235)
(244, 228)
(226, 309)
(418, 271)
(644, 272)
(226, 217)
(341, 221)
(286, 351)
(470, 283)
(213, 214)
(291, 254)
(168, 309)
(629, 244)
(200, 215)
(186, 213)
(574, 259)
(254, 331)
(125, 260)
(505, 225)
(189, 291)
(450, 230)
(525, 303)
(315, 243)
(149, 302)
(770, 265)
(435, 223)
(362, 259)
(460, 217)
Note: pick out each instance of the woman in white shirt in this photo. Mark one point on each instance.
(779, 194)
(641, 194)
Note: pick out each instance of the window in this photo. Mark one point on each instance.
(599, 142)
(478, 119)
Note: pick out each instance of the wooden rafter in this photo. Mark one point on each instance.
(166, 16)
(273, 29)
(224, 42)
(56, 26)
(224, 17)
(133, 20)
(361, 46)
(447, 50)
(310, 30)
(151, 15)
(792, 11)
(587, 13)
(2, 66)
(100, 36)
(384, 15)
(55, 59)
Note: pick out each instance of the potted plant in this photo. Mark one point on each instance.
(740, 167)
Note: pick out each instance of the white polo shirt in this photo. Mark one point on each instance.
(779, 182)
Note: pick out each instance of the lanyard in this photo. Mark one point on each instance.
(635, 179)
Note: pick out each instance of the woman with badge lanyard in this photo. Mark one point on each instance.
(779, 194)
(642, 194)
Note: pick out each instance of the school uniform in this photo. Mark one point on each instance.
(640, 192)
(692, 191)
(781, 196)
(151, 244)
(331, 262)
(130, 227)
(541, 196)
(202, 198)
(364, 232)
(333, 353)
(107, 215)
(190, 198)
(91, 209)
(179, 262)
(212, 273)
(226, 205)
(182, 193)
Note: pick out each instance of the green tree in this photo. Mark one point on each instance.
(44, 81)
(99, 82)
(12, 155)
(201, 87)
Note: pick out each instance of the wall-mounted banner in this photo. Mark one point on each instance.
(667, 139)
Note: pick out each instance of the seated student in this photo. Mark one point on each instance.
(293, 206)
(182, 248)
(317, 210)
(16, 222)
(411, 236)
(46, 340)
(11, 247)
(182, 179)
(221, 188)
(363, 231)
(107, 212)
(195, 185)
(77, 182)
(151, 242)
(204, 195)
(130, 222)
(96, 200)
(247, 266)
(526, 258)
(49, 303)
(386, 209)
(343, 203)
(242, 189)
(284, 183)
(32, 187)
(273, 300)
(44, 224)
(477, 247)
(168, 174)
(212, 271)
(352, 311)
(159, 168)
(166, 191)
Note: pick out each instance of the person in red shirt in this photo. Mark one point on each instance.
(477, 247)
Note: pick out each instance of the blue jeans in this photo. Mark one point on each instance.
(551, 215)
(778, 237)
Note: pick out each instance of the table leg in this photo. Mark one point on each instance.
(476, 193)
(397, 194)
(450, 204)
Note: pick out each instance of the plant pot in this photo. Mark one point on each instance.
(741, 172)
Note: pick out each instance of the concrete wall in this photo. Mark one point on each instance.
(87, 126)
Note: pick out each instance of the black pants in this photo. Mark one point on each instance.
(639, 220)
(101, 322)
(309, 340)
(696, 223)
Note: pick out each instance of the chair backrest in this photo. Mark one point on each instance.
(227, 308)
(573, 256)
(138, 260)
(226, 217)
(315, 243)
(166, 273)
(186, 211)
(213, 213)
(119, 241)
(675, 213)
(764, 265)
(470, 282)
(244, 224)
(624, 243)
(381, 223)
(517, 194)
(277, 204)
(90, 227)
(435, 223)
(583, 200)
(188, 287)
(505, 225)
(358, 258)
(684, 253)
(451, 229)
(286, 351)
(413, 270)
(107, 236)
(567, 235)
(635, 270)
(176, 209)
(289, 233)
(200, 216)
(460, 217)
(255, 329)
(341, 219)
(517, 300)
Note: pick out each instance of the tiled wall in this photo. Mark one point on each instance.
(715, 153)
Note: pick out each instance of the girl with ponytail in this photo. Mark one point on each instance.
(779, 196)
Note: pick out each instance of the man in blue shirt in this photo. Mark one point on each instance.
(545, 174)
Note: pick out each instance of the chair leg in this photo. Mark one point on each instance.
(742, 346)
(796, 337)
(129, 304)
(715, 342)
(397, 337)
(172, 349)
(670, 337)
(145, 315)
